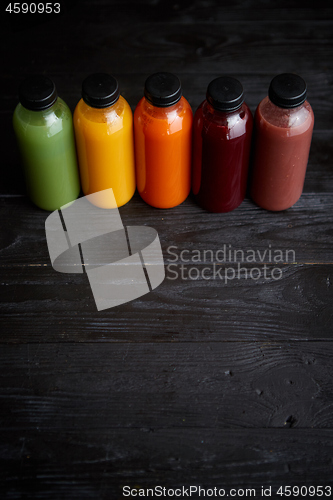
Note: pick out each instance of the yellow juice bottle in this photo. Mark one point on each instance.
(103, 124)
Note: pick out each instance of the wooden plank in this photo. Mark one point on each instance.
(210, 12)
(35, 296)
(319, 172)
(189, 228)
(85, 463)
(258, 52)
(203, 385)
(297, 307)
(253, 48)
(62, 309)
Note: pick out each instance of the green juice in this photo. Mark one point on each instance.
(46, 142)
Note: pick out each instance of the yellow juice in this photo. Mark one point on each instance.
(104, 140)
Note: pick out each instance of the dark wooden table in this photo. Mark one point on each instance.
(199, 382)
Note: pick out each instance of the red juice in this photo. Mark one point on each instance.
(221, 147)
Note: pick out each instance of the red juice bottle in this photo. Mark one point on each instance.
(283, 130)
(222, 132)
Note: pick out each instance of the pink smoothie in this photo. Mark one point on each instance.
(282, 144)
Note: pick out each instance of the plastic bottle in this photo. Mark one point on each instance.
(163, 128)
(283, 130)
(221, 146)
(103, 124)
(44, 130)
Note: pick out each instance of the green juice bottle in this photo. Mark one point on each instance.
(44, 130)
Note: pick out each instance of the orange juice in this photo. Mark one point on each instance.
(103, 125)
(163, 129)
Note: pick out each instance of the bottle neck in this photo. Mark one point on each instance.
(162, 112)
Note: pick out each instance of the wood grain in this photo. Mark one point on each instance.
(238, 385)
(62, 309)
(92, 463)
(305, 228)
(183, 308)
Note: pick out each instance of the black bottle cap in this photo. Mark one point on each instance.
(287, 90)
(163, 89)
(100, 90)
(225, 93)
(37, 93)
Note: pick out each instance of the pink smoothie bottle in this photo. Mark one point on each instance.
(283, 131)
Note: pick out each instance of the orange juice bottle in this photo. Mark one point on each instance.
(103, 124)
(162, 132)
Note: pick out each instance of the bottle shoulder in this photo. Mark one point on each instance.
(147, 114)
(298, 119)
(59, 112)
(223, 124)
(120, 110)
(222, 118)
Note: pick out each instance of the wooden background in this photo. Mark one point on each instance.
(199, 382)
